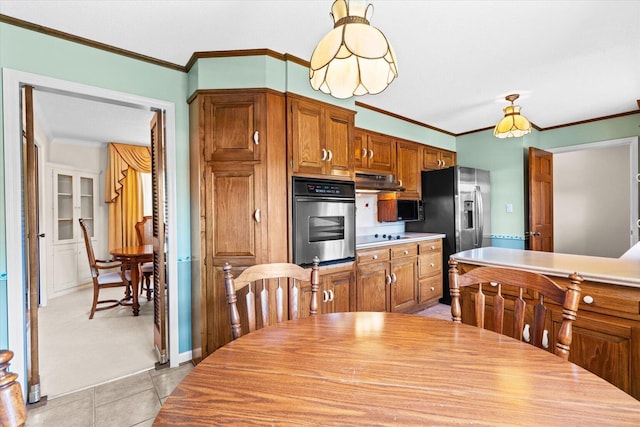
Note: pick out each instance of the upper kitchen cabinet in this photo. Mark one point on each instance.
(408, 169)
(319, 138)
(434, 158)
(374, 152)
(232, 125)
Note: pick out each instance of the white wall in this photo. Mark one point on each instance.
(591, 201)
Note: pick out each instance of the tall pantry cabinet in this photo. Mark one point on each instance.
(239, 197)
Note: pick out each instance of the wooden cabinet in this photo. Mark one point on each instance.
(429, 272)
(372, 279)
(74, 197)
(435, 158)
(319, 138)
(336, 293)
(238, 171)
(404, 277)
(374, 152)
(386, 278)
(408, 169)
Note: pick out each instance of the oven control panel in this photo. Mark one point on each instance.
(320, 187)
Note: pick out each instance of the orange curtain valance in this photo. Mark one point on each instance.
(121, 158)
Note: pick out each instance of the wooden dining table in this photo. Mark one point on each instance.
(134, 256)
(390, 369)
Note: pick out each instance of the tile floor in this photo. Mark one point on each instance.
(130, 401)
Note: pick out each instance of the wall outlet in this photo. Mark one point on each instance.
(509, 207)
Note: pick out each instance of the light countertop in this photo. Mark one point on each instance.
(608, 270)
(368, 241)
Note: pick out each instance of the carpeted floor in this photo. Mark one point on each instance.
(76, 353)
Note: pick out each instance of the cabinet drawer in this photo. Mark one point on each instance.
(429, 264)
(372, 255)
(430, 289)
(609, 297)
(401, 251)
(430, 246)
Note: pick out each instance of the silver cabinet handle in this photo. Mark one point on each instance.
(432, 265)
(374, 257)
(325, 296)
(330, 155)
(388, 279)
(432, 289)
(406, 252)
(256, 138)
(433, 248)
(371, 154)
(400, 182)
(364, 153)
(324, 155)
(256, 215)
(588, 299)
(394, 278)
(331, 295)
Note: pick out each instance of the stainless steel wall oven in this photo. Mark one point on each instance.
(324, 217)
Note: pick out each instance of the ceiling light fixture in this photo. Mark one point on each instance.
(512, 125)
(354, 58)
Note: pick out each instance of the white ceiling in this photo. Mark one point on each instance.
(569, 60)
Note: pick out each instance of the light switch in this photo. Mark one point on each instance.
(509, 208)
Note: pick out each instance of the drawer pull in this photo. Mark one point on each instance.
(374, 257)
(406, 252)
(588, 299)
(432, 265)
(433, 248)
(432, 289)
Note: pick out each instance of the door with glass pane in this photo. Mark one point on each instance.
(74, 197)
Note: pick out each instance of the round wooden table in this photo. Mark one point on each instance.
(390, 369)
(135, 256)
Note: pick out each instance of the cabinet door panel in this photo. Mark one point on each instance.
(360, 159)
(338, 143)
(372, 287)
(403, 289)
(340, 286)
(307, 134)
(232, 202)
(409, 169)
(383, 158)
(230, 123)
(430, 289)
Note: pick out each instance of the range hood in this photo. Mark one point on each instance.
(377, 183)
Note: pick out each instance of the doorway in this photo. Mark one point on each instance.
(596, 197)
(12, 82)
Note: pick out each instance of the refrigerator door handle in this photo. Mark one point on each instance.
(479, 216)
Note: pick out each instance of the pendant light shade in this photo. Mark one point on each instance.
(512, 125)
(354, 58)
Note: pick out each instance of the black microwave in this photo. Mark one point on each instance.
(400, 210)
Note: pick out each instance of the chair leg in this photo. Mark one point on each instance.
(96, 291)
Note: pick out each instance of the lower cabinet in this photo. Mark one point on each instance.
(337, 285)
(429, 272)
(387, 278)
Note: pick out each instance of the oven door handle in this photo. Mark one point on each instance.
(325, 199)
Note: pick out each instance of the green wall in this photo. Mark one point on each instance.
(505, 158)
(36, 53)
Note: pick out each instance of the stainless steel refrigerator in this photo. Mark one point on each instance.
(457, 203)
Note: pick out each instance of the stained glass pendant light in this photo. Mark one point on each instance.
(513, 124)
(354, 58)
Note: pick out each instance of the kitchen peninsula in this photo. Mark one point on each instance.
(606, 333)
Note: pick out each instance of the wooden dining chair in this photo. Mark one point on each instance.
(525, 288)
(109, 279)
(144, 231)
(258, 282)
(13, 411)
